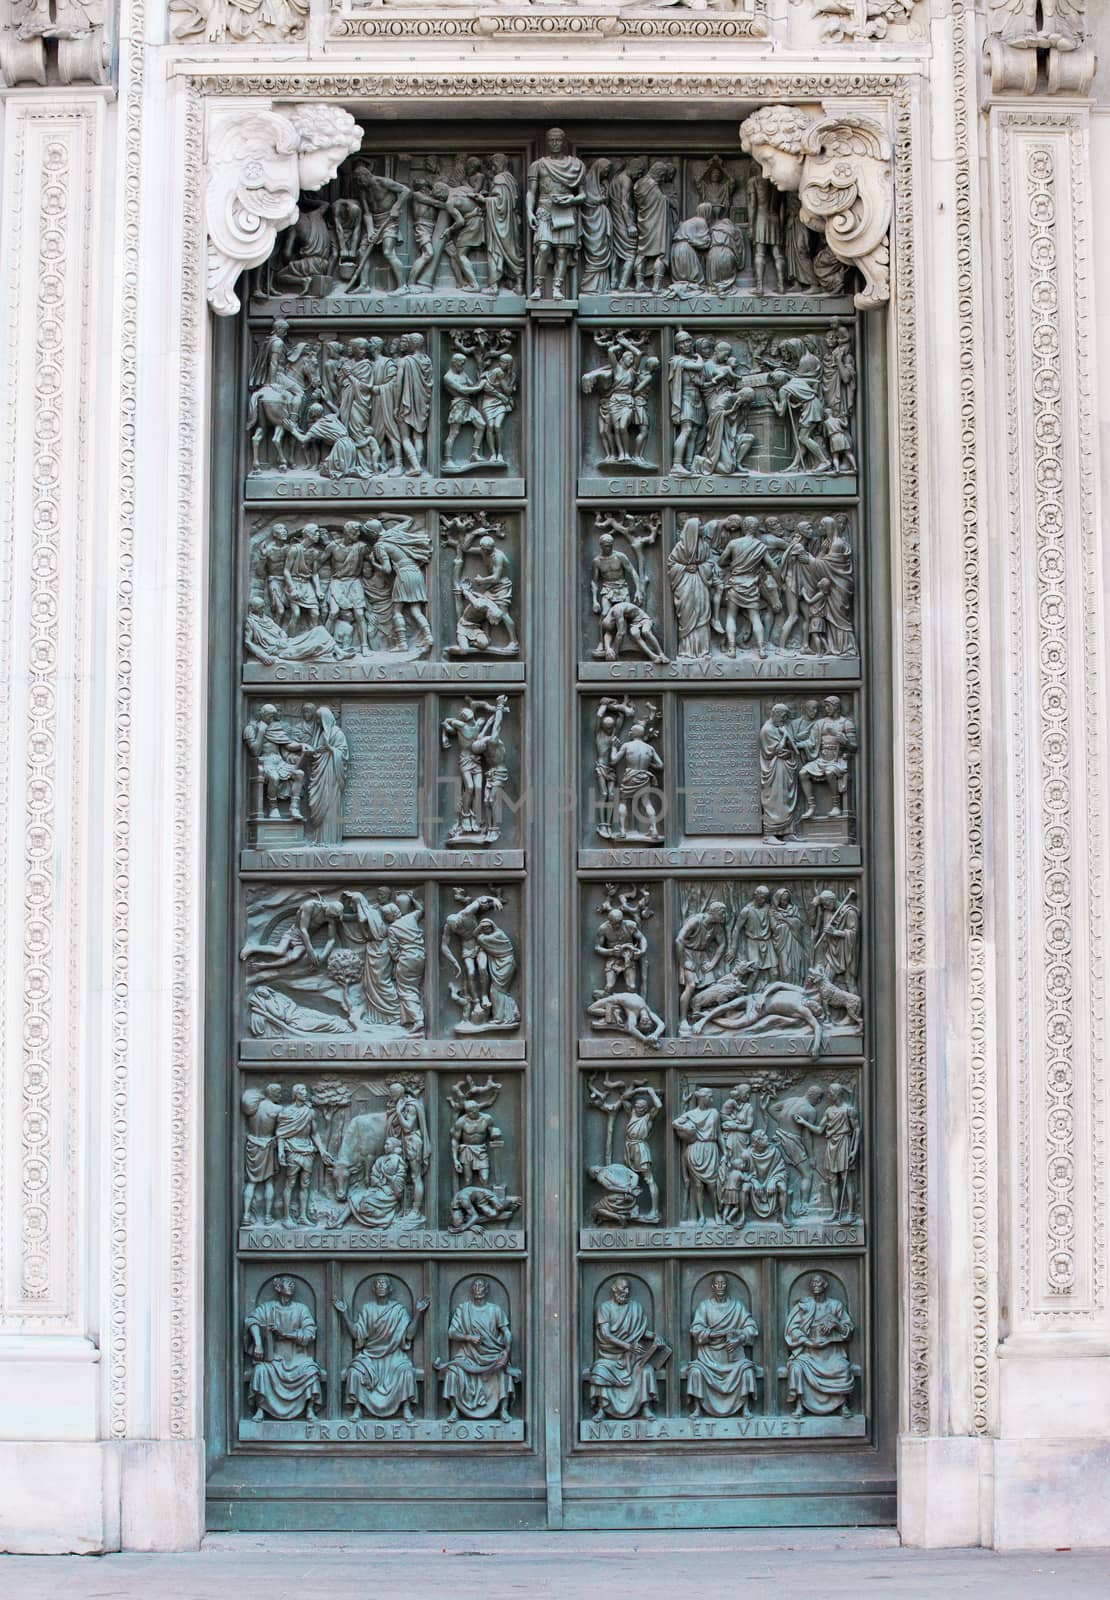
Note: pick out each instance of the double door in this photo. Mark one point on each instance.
(550, 1073)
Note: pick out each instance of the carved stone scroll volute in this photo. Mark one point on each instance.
(840, 166)
(259, 162)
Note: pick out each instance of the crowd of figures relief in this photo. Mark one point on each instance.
(761, 963)
(338, 960)
(707, 404)
(738, 585)
(362, 1153)
(775, 1146)
(328, 592)
(589, 223)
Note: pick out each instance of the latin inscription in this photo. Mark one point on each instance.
(787, 854)
(361, 669)
(667, 1428)
(355, 1241)
(756, 1236)
(754, 485)
(719, 668)
(722, 766)
(354, 1048)
(294, 486)
(392, 1431)
(382, 797)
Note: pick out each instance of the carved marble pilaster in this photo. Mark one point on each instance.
(47, 265)
(1055, 720)
(259, 158)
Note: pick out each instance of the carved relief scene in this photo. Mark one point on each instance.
(398, 782)
(398, 1161)
(334, 414)
(416, 1352)
(394, 594)
(730, 967)
(750, 594)
(753, 408)
(672, 779)
(599, 933)
(718, 1351)
(354, 969)
(771, 1159)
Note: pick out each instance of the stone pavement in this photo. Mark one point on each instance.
(817, 1565)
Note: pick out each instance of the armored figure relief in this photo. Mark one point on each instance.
(628, 771)
(720, 1379)
(619, 586)
(381, 1379)
(478, 1380)
(474, 1134)
(819, 1376)
(476, 731)
(553, 205)
(641, 1106)
(481, 586)
(832, 742)
(623, 384)
(623, 1381)
(484, 969)
(285, 1380)
(368, 977)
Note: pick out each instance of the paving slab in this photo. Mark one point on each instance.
(814, 1565)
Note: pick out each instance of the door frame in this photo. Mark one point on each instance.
(892, 97)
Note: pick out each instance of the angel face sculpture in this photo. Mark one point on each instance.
(841, 170)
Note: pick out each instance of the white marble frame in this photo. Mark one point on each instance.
(126, 1353)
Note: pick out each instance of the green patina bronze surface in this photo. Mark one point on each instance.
(551, 1079)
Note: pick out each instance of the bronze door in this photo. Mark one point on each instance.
(550, 1063)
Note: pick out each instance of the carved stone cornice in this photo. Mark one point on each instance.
(1039, 45)
(840, 166)
(69, 45)
(258, 162)
(548, 19)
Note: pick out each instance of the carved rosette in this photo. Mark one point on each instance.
(259, 162)
(840, 166)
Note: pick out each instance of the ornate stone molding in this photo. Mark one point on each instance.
(549, 19)
(1056, 719)
(841, 168)
(71, 39)
(47, 270)
(259, 160)
(1029, 37)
